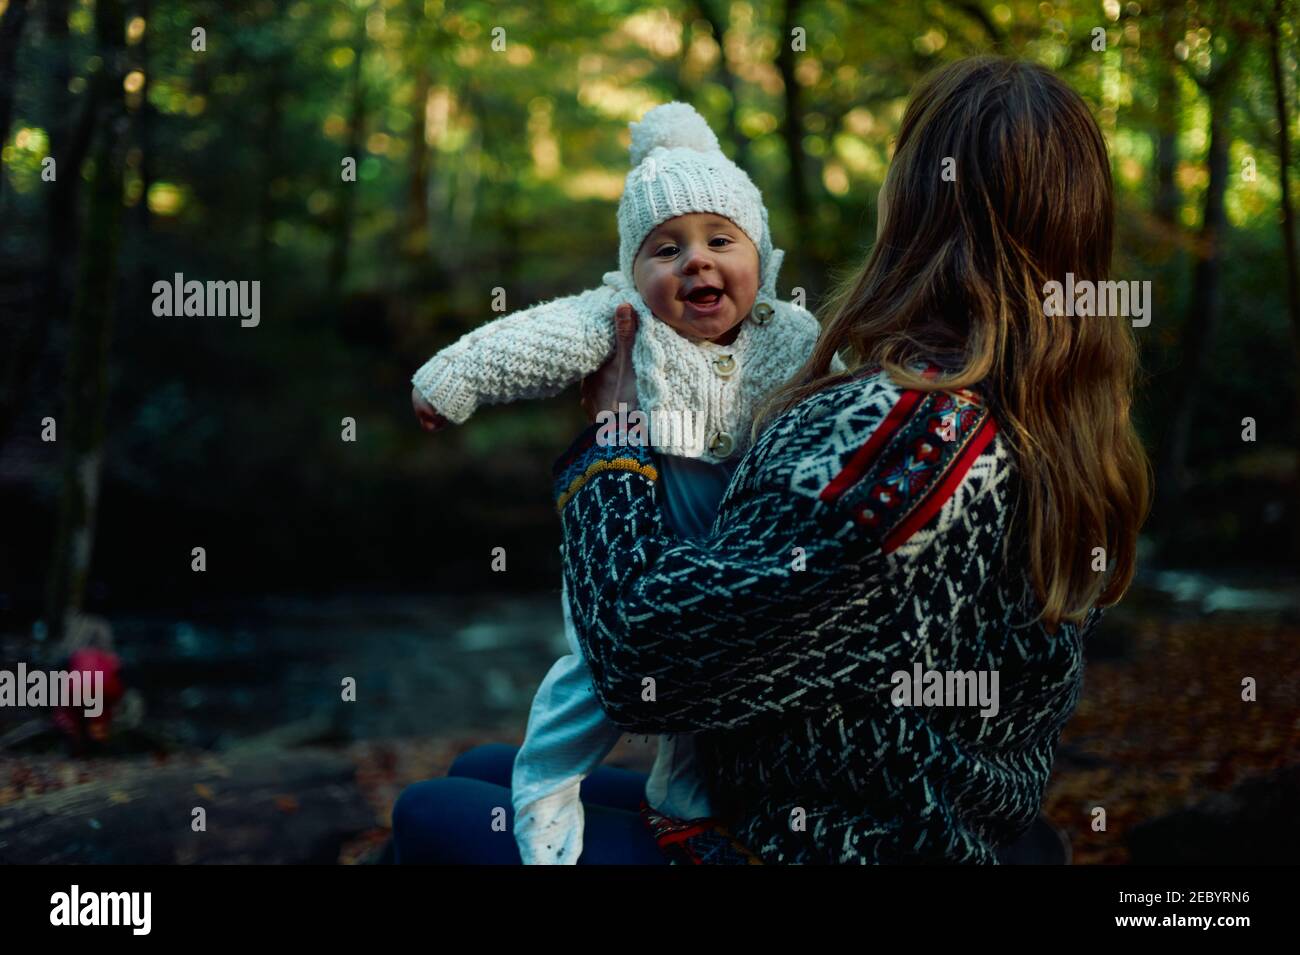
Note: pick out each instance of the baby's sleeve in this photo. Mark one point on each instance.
(533, 353)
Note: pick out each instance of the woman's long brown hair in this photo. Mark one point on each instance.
(956, 277)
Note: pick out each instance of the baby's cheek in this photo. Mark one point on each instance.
(746, 278)
(746, 289)
(661, 297)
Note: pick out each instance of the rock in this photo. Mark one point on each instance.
(1257, 823)
(262, 806)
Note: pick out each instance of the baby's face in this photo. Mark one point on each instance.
(699, 274)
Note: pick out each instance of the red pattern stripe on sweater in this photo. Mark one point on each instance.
(865, 455)
(938, 495)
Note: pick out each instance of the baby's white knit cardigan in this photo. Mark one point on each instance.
(538, 352)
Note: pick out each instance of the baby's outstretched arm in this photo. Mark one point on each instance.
(533, 353)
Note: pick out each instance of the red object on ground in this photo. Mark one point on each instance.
(72, 720)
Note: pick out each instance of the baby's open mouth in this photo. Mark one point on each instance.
(705, 296)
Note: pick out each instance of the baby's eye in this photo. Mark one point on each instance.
(721, 238)
(663, 250)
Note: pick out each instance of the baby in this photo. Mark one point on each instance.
(696, 263)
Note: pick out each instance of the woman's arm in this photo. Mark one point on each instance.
(786, 607)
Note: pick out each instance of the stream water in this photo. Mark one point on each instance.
(439, 664)
(422, 665)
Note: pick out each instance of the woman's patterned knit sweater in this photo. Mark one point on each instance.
(861, 534)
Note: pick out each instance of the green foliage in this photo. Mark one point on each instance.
(480, 167)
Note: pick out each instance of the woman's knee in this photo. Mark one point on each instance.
(454, 821)
(491, 762)
(414, 803)
(427, 823)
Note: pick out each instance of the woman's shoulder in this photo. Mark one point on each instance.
(886, 457)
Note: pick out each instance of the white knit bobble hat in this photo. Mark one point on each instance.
(678, 167)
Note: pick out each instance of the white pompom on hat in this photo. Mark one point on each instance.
(672, 125)
(678, 167)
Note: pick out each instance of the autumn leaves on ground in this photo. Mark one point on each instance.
(1155, 731)
(1161, 725)
(1166, 725)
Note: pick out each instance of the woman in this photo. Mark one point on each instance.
(959, 507)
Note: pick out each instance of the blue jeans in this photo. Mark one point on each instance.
(448, 820)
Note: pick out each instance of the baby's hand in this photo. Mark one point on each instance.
(429, 418)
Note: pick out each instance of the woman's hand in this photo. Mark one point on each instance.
(429, 418)
(614, 382)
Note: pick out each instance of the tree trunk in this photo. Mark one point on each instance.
(50, 281)
(1290, 265)
(1166, 132)
(82, 422)
(23, 329)
(416, 243)
(464, 192)
(272, 121)
(727, 77)
(270, 161)
(144, 127)
(792, 132)
(681, 88)
(1203, 307)
(11, 31)
(356, 126)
